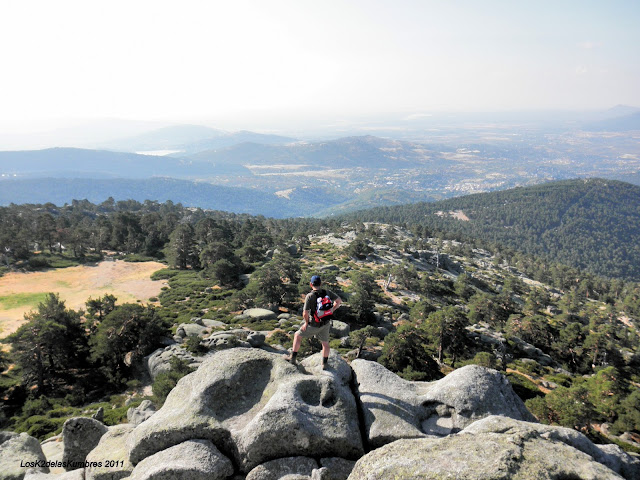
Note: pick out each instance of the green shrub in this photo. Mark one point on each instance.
(41, 427)
(75, 398)
(222, 316)
(36, 406)
(539, 408)
(413, 375)
(262, 325)
(61, 261)
(115, 416)
(523, 387)
(560, 379)
(37, 262)
(117, 400)
(63, 412)
(530, 367)
(137, 257)
(193, 345)
(184, 318)
(372, 342)
(134, 384)
(165, 381)
(164, 274)
(485, 359)
(280, 338)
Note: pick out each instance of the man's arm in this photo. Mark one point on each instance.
(336, 304)
(337, 301)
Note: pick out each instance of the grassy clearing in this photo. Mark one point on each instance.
(19, 300)
(21, 292)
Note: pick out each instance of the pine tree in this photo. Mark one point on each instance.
(50, 343)
(181, 252)
(127, 334)
(446, 331)
(362, 299)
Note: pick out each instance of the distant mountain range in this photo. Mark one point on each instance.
(187, 139)
(60, 191)
(288, 180)
(591, 224)
(624, 123)
(82, 163)
(302, 201)
(288, 177)
(350, 152)
(140, 136)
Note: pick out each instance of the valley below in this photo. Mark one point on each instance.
(321, 177)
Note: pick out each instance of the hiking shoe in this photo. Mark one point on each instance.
(291, 359)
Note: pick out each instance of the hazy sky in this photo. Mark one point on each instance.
(187, 60)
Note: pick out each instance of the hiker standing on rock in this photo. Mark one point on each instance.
(319, 306)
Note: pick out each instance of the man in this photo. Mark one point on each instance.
(307, 330)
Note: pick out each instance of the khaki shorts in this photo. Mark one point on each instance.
(322, 333)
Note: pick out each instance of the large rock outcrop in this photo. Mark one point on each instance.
(609, 455)
(18, 453)
(110, 459)
(394, 408)
(255, 407)
(496, 448)
(248, 412)
(160, 360)
(80, 435)
(142, 412)
(190, 460)
(259, 314)
(190, 330)
(72, 475)
(340, 329)
(291, 467)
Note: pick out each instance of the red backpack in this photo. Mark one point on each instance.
(322, 313)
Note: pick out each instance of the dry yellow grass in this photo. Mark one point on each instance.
(21, 292)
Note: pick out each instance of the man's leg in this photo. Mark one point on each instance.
(325, 354)
(297, 340)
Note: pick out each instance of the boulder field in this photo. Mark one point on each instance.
(246, 413)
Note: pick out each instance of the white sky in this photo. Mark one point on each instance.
(189, 60)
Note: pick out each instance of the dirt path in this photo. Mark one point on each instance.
(529, 377)
(21, 292)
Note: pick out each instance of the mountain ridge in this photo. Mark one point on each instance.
(588, 223)
(355, 151)
(187, 139)
(623, 123)
(51, 161)
(62, 191)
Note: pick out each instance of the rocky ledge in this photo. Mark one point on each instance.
(248, 414)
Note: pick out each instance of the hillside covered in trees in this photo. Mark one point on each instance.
(418, 302)
(593, 225)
